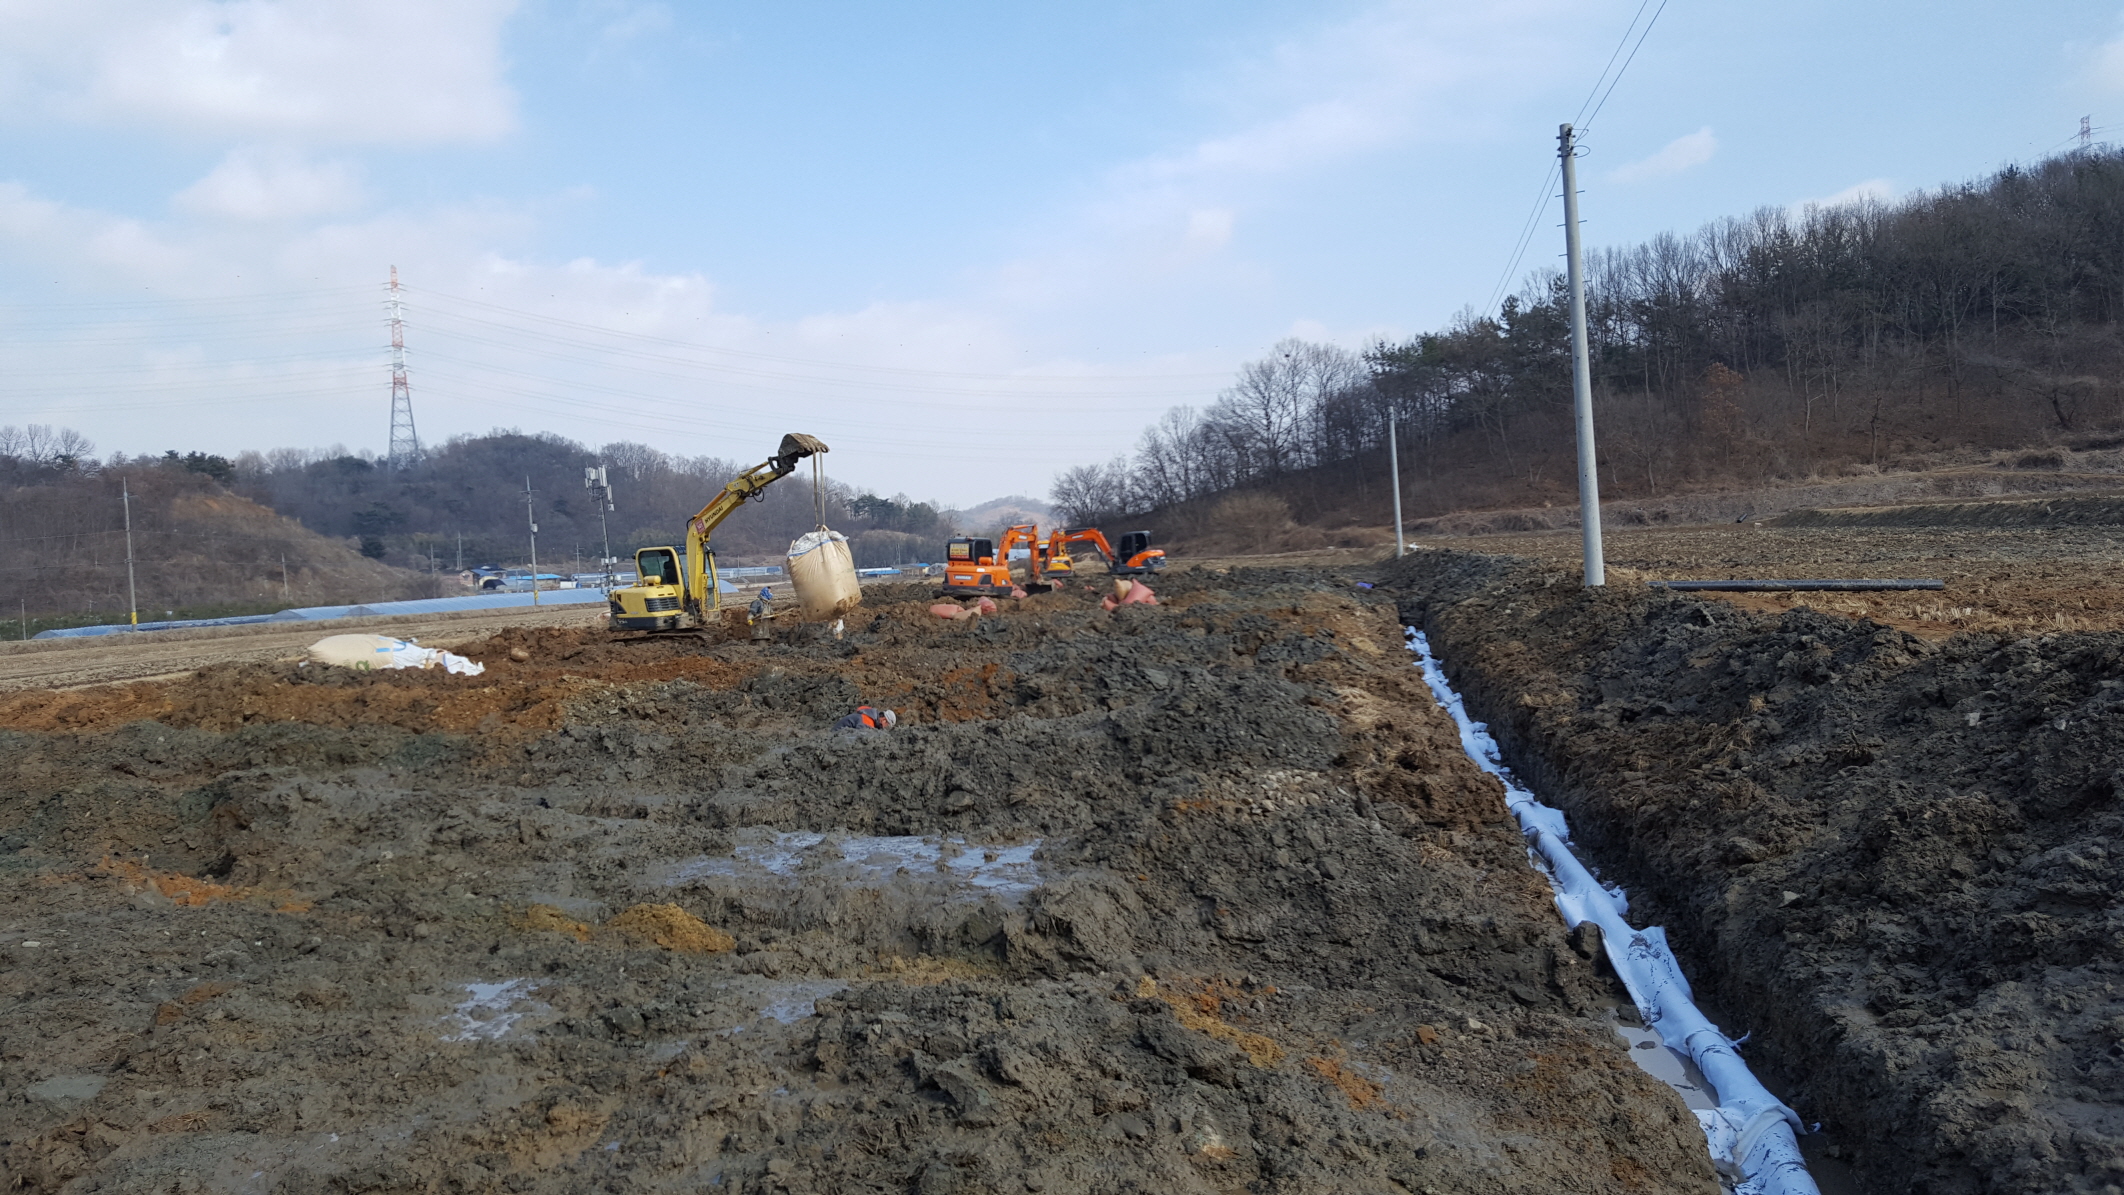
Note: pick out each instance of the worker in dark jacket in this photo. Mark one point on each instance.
(867, 718)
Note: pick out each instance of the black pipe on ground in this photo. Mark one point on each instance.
(1831, 584)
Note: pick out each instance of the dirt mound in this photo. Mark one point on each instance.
(672, 928)
(2098, 510)
(1201, 896)
(1894, 859)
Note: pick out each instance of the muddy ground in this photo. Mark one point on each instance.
(1896, 852)
(1201, 897)
(2013, 581)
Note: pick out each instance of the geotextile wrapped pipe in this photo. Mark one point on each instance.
(1751, 1132)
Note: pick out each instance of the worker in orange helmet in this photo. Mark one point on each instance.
(868, 718)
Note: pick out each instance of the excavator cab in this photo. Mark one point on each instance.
(1054, 558)
(972, 568)
(654, 601)
(1133, 556)
(673, 587)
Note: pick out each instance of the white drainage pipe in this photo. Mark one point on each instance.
(1750, 1132)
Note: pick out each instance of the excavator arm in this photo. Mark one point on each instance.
(701, 585)
(1134, 558)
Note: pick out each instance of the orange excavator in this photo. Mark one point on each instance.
(1134, 558)
(974, 567)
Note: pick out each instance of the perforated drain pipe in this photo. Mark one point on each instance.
(1750, 1132)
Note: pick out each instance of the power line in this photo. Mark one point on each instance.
(1610, 65)
(1625, 66)
(810, 361)
(1541, 204)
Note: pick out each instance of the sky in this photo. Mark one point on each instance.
(968, 245)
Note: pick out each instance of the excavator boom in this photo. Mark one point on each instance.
(701, 589)
(666, 591)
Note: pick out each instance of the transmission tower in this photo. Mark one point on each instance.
(405, 443)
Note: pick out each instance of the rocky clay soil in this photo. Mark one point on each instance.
(1891, 846)
(1195, 897)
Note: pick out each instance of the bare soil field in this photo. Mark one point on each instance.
(1201, 897)
(1884, 831)
(2000, 580)
(74, 662)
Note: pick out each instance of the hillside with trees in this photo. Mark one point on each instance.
(1774, 347)
(474, 487)
(197, 549)
(212, 531)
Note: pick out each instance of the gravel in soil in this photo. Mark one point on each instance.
(1898, 858)
(1200, 897)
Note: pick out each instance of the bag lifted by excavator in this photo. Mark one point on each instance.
(674, 590)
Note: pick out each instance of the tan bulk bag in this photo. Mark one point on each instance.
(823, 572)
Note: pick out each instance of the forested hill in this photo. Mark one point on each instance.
(475, 487)
(213, 529)
(1779, 345)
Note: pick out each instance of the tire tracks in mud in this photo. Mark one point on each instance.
(1201, 897)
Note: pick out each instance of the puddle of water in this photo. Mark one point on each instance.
(1675, 1069)
(792, 1002)
(489, 1010)
(784, 1001)
(1008, 872)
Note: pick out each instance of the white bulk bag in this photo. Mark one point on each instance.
(823, 572)
(375, 652)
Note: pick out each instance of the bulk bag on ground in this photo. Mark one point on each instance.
(376, 652)
(823, 572)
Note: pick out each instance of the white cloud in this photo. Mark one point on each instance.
(1395, 74)
(1682, 153)
(254, 184)
(1209, 228)
(310, 70)
(1878, 190)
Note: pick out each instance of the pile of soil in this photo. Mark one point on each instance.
(1898, 859)
(1195, 897)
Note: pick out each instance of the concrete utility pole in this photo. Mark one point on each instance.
(1401, 546)
(132, 594)
(1581, 371)
(532, 519)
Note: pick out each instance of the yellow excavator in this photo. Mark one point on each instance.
(674, 590)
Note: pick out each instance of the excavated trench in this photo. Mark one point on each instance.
(1199, 897)
(1898, 860)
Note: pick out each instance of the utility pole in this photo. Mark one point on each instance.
(1401, 546)
(532, 519)
(1581, 370)
(460, 551)
(284, 577)
(599, 483)
(132, 594)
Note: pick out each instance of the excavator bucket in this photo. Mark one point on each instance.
(797, 445)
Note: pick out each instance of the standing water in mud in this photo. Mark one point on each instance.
(1201, 897)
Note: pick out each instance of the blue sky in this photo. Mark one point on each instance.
(967, 244)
